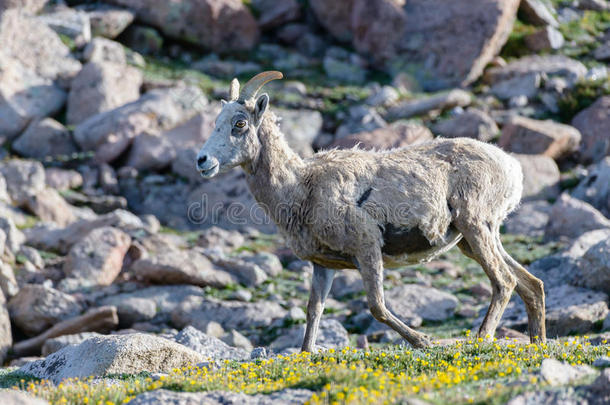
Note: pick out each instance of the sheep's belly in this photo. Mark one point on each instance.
(402, 247)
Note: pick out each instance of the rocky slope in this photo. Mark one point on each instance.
(111, 241)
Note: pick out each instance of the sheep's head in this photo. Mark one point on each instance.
(234, 141)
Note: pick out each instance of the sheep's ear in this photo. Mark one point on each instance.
(261, 106)
(223, 102)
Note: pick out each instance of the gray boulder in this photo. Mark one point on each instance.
(98, 258)
(550, 65)
(50, 206)
(62, 179)
(111, 132)
(595, 267)
(570, 218)
(135, 306)
(360, 118)
(519, 86)
(444, 59)
(248, 272)
(472, 123)
(51, 238)
(300, 128)
(8, 282)
(57, 343)
(533, 137)
(218, 25)
(415, 37)
(555, 372)
(529, 219)
(219, 238)
(117, 354)
(181, 267)
(396, 135)
(343, 70)
(69, 22)
(100, 87)
(283, 397)
(412, 300)
(330, 335)
(595, 188)
(14, 238)
(23, 178)
(6, 336)
(208, 346)
(347, 282)
(45, 138)
(537, 12)
(25, 96)
(593, 123)
(36, 46)
(568, 310)
(564, 267)
(273, 14)
(31, 6)
(107, 21)
(132, 309)
(545, 39)
(151, 151)
(101, 50)
(225, 201)
(442, 101)
(198, 312)
(564, 396)
(235, 339)
(36, 308)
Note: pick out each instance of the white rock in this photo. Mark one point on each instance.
(98, 258)
(210, 347)
(117, 354)
(101, 87)
(105, 50)
(555, 372)
(330, 335)
(69, 22)
(570, 218)
(23, 178)
(6, 337)
(36, 308)
(283, 397)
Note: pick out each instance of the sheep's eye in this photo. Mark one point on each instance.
(240, 124)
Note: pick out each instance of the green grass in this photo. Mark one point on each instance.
(157, 69)
(470, 371)
(581, 96)
(29, 222)
(515, 45)
(581, 35)
(10, 377)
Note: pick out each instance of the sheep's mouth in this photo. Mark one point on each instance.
(209, 172)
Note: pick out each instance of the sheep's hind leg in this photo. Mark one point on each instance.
(480, 244)
(321, 282)
(371, 269)
(531, 291)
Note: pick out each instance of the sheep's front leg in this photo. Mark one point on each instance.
(321, 282)
(371, 269)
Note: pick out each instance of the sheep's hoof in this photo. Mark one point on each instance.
(421, 342)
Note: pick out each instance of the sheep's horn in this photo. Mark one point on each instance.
(254, 85)
(234, 92)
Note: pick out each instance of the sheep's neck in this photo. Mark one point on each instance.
(274, 177)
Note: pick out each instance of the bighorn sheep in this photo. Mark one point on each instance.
(365, 209)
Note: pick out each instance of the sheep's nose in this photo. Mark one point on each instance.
(201, 159)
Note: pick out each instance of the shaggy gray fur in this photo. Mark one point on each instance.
(355, 209)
